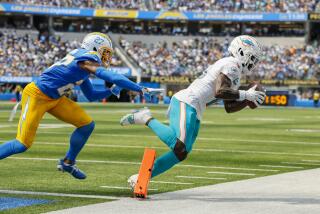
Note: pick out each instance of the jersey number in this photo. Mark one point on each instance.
(64, 90)
(204, 73)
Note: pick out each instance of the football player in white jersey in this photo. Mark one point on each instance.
(219, 81)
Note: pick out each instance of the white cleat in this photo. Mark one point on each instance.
(141, 117)
(132, 181)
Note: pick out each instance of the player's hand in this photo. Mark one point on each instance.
(115, 90)
(257, 97)
(149, 92)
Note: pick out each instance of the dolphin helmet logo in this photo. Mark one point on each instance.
(247, 42)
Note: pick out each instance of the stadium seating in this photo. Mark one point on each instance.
(238, 5)
(25, 55)
(183, 5)
(191, 56)
(120, 4)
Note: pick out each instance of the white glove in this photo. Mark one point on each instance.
(115, 90)
(257, 97)
(149, 92)
(152, 91)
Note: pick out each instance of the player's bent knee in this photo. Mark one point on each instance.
(92, 125)
(89, 127)
(180, 150)
(18, 147)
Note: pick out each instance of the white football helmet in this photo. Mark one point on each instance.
(246, 49)
(100, 43)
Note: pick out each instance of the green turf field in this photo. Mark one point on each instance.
(230, 147)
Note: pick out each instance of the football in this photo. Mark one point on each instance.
(259, 87)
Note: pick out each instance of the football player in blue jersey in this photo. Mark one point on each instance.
(47, 95)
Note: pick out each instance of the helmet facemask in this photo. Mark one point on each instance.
(105, 53)
(250, 63)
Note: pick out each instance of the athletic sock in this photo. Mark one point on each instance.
(78, 139)
(164, 132)
(164, 162)
(10, 148)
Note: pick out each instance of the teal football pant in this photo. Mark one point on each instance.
(183, 129)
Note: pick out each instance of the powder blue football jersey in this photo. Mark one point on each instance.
(61, 77)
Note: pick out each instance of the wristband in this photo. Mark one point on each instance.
(242, 95)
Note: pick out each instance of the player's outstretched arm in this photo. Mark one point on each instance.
(232, 106)
(224, 91)
(92, 94)
(108, 76)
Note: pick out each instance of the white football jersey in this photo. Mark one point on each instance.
(202, 91)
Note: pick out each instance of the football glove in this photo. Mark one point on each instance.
(115, 90)
(257, 97)
(149, 92)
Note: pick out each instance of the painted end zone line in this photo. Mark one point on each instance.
(197, 177)
(276, 166)
(58, 194)
(232, 173)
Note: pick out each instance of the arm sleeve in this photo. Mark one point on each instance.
(92, 94)
(117, 79)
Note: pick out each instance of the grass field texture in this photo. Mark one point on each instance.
(244, 145)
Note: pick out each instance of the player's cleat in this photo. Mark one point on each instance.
(71, 168)
(132, 181)
(141, 117)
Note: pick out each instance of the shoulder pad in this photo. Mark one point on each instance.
(232, 71)
(89, 56)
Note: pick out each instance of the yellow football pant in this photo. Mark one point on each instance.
(35, 104)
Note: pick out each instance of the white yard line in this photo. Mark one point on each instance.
(260, 141)
(57, 194)
(304, 130)
(199, 138)
(264, 119)
(171, 182)
(129, 188)
(202, 150)
(310, 164)
(314, 161)
(260, 152)
(105, 145)
(82, 161)
(198, 177)
(232, 173)
(281, 166)
(232, 168)
(138, 163)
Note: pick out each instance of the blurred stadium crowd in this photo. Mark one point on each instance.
(183, 5)
(191, 57)
(24, 56)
